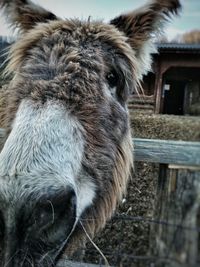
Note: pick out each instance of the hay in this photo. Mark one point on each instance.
(185, 128)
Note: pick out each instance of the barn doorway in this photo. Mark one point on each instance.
(174, 92)
(181, 91)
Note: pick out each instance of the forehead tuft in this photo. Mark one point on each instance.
(76, 29)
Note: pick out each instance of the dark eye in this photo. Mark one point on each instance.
(112, 79)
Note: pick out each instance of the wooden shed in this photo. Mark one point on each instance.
(174, 85)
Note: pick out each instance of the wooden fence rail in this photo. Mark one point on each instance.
(66, 263)
(167, 152)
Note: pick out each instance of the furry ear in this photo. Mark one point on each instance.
(142, 24)
(25, 14)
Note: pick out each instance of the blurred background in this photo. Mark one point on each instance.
(108, 9)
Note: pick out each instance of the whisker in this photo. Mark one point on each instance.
(53, 211)
(95, 246)
(6, 264)
(25, 255)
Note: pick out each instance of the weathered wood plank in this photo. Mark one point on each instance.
(183, 167)
(66, 263)
(140, 106)
(167, 151)
(141, 96)
(141, 100)
(178, 204)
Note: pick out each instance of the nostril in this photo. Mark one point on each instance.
(70, 197)
(72, 202)
(53, 206)
(68, 206)
(63, 205)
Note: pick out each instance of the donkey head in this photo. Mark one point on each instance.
(68, 154)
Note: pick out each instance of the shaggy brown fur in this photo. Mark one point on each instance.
(79, 64)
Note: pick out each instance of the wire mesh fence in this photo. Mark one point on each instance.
(118, 256)
(121, 251)
(122, 254)
(158, 224)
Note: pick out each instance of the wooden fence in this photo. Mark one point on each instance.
(167, 152)
(177, 237)
(66, 263)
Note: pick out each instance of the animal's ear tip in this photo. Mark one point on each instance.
(5, 2)
(117, 20)
(25, 14)
(168, 7)
(173, 6)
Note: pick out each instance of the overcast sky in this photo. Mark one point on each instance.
(108, 9)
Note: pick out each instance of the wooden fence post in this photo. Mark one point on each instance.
(175, 238)
(178, 210)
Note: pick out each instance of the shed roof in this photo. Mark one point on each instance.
(178, 47)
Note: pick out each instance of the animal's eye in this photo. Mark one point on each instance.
(112, 79)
